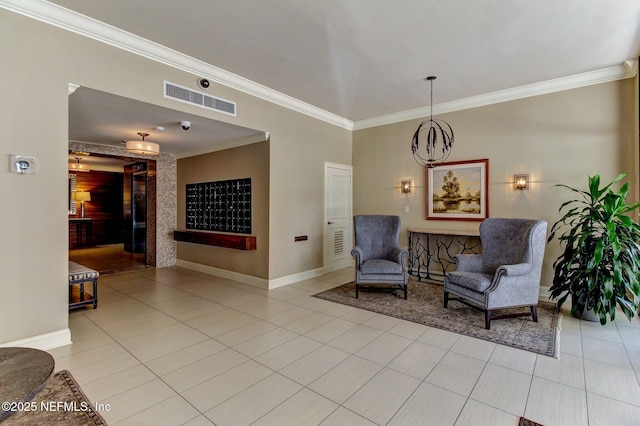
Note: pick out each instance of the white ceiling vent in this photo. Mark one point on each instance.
(183, 94)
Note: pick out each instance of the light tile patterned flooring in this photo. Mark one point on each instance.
(172, 346)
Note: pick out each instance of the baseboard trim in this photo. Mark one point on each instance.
(250, 279)
(212, 270)
(544, 293)
(294, 278)
(44, 342)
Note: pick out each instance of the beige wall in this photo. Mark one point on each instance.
(249, 161)
(557, 138)
(297, 193)
(33, 218)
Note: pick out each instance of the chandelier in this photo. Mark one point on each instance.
(433, 140)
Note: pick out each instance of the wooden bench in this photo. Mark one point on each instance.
(80, 274)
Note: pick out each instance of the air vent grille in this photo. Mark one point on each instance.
(338, 242)
(183, 94)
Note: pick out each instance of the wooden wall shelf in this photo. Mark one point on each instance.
(238, 242)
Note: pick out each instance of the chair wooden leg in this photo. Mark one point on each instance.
(356, 291)
(406, 289)
(446, 298)
(534, 313)
(487, 319)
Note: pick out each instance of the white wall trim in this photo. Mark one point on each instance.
(44, 342)
(623, 71)
(544, 294)
(212, 270)
(259, 137)
(294, 278)
(250, 279)
(80, 24)
(72, 87)
(88, 27)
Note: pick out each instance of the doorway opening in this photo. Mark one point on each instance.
(100, 123)
(117, 232)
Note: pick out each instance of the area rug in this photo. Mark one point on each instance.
(527, 422)
(60, 403)
(425, 306)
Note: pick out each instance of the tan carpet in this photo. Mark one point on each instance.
(60, 403)
(425, 306)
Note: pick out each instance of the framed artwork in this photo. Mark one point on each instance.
(458, 190)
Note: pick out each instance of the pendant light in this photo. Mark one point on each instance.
(78, 166)
(143, 147)
(433, 140)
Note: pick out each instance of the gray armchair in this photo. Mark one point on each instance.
(506, 274)
(378, 258)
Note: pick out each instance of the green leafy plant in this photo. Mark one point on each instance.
(599, 266)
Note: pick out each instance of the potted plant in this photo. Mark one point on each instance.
(600, 264)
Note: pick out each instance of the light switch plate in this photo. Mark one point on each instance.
(23, 164)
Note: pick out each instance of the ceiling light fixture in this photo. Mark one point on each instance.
(435, 136)
(143, 147)
(79, 167)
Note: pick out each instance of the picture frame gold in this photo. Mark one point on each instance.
(458, 190)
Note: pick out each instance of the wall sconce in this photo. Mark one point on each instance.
(405, 186)
(521, 182)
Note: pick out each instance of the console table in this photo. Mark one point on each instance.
(83, 224)
(431, 250)
(23, 373)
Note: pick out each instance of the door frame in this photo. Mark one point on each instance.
(325, 234)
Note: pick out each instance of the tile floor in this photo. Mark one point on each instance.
(172, 346)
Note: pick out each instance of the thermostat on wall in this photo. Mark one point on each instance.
(24, 164)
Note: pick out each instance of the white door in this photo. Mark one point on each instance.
(338, 234)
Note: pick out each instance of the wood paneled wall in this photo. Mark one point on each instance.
(105, 207)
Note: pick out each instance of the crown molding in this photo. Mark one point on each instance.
(258, 137)
(623, 71)
(72, 87)
(72, 21)
(88, 27)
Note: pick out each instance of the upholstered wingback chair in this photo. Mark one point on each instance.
(506, 274)
(378, 258)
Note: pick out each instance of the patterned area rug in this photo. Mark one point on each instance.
(527, 422)
(425, 306)
(60, 403)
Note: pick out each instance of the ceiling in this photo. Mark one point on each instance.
(108, 119)
(360, 59)
(366, 58)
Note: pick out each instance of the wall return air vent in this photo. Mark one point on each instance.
(183, 94)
